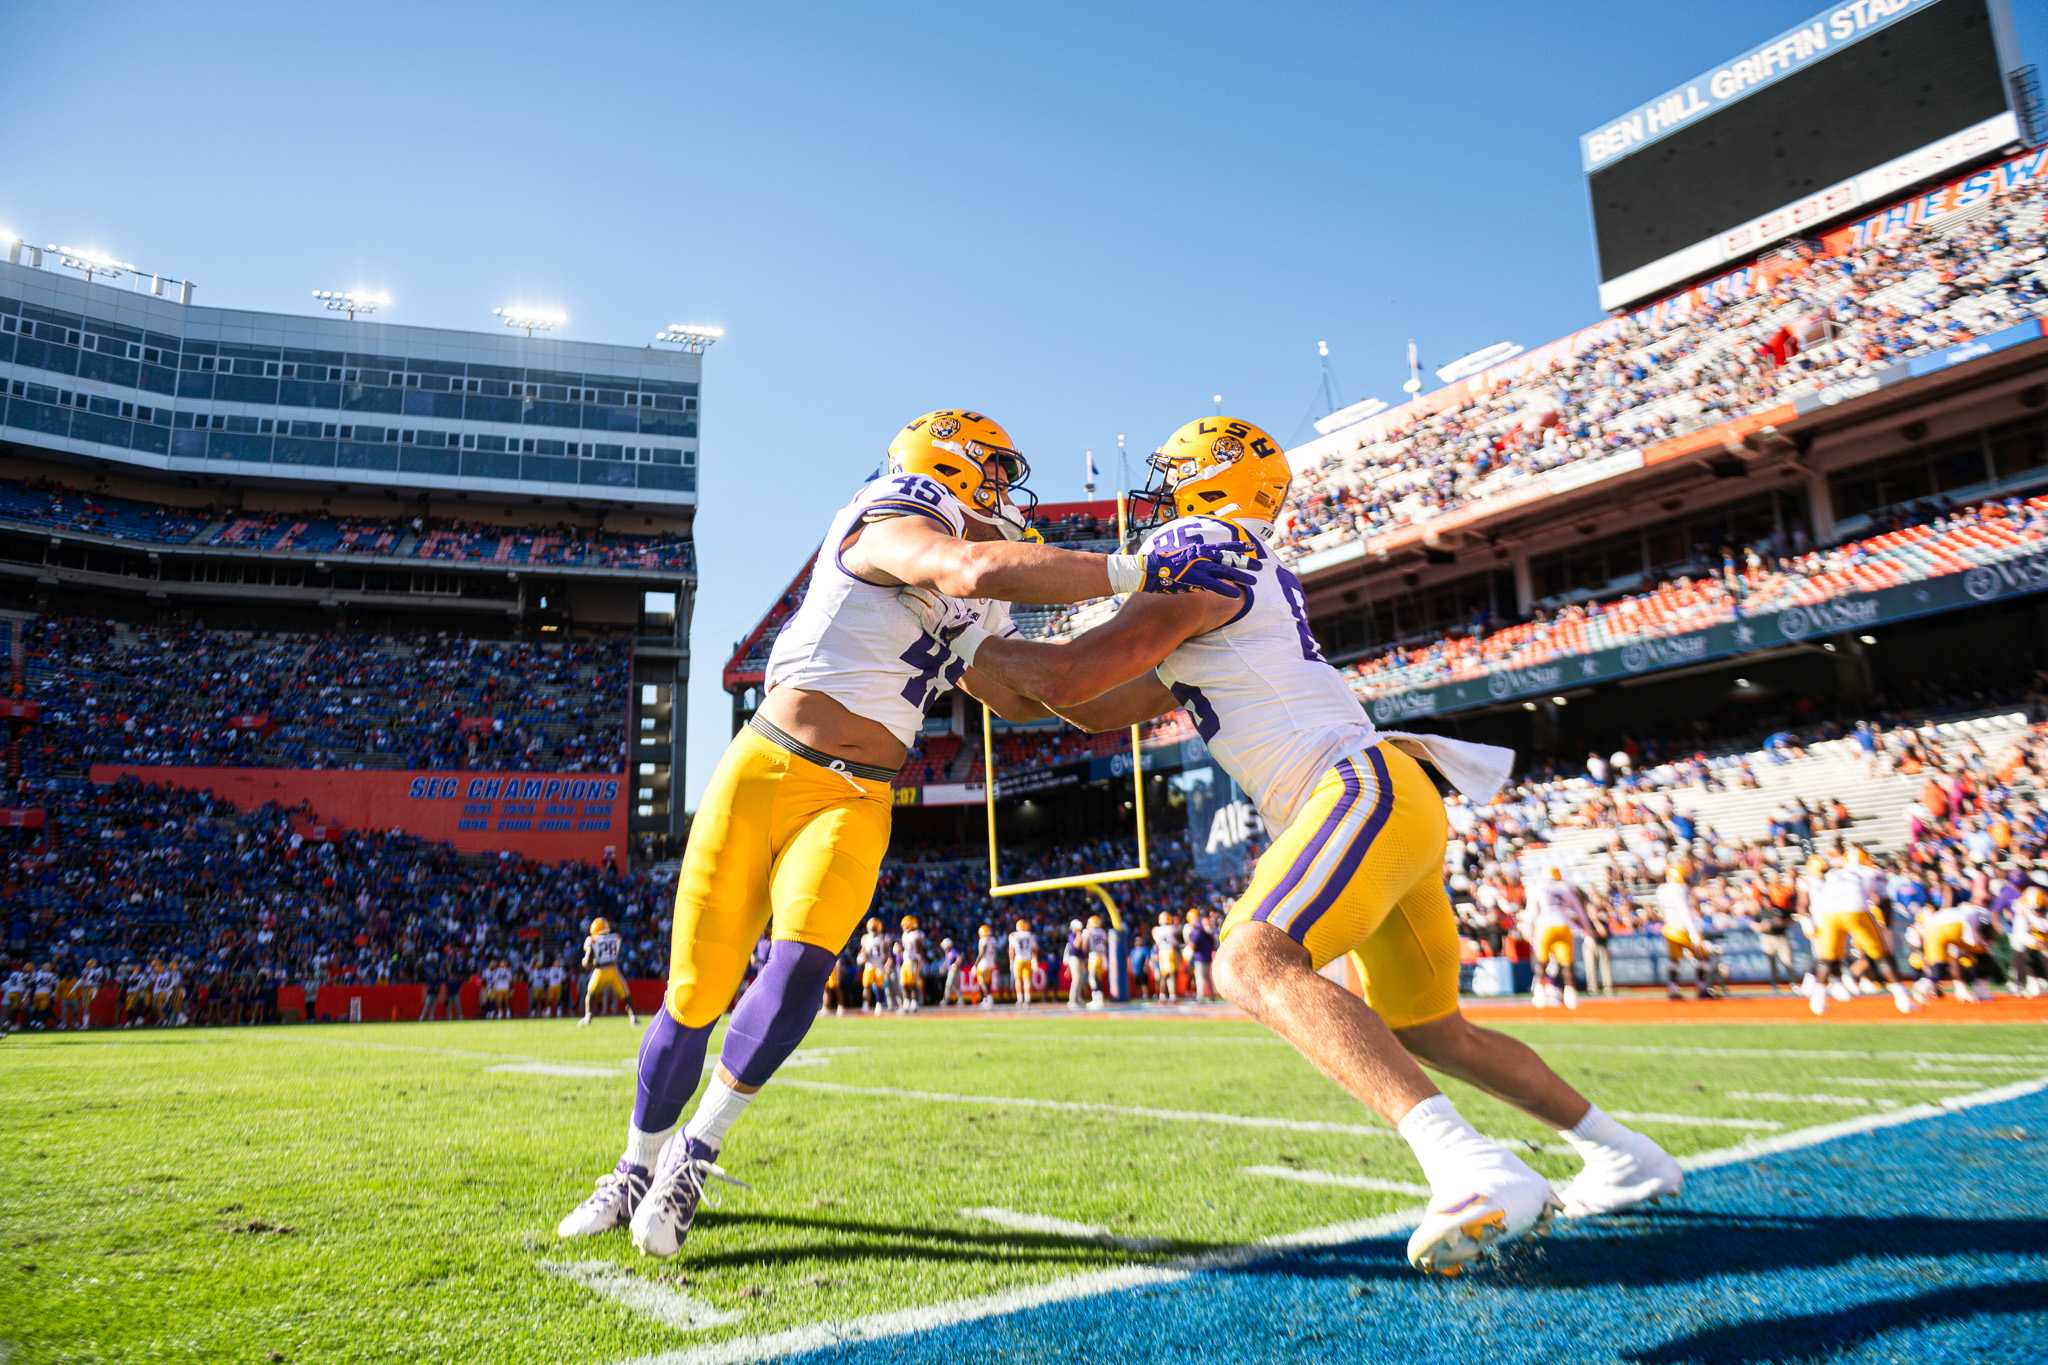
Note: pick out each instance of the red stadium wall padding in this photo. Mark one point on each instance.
(549, 817)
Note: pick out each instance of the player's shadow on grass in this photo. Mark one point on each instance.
(1825, 1335)
(854, 1239)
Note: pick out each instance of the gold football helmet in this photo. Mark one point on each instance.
(972, 456)
(600, 925)
(909, 923)
(1218, 467)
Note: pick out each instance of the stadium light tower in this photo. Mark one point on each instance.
(693, 337)
(353, 301)
(1217, 400)
(1413, 384)
(532, 319)
(90, 261)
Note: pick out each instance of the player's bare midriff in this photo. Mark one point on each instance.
(822, 723)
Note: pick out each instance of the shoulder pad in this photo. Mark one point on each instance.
(905, 495)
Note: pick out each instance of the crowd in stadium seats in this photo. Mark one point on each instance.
(1658, 374)
(1749, 583)
(239, 903)
(45, 504)
(1976, 835)
(192, 696)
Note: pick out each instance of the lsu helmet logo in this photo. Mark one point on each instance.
(944, 429)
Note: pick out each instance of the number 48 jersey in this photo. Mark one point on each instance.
(852, 640)
(1271, 710)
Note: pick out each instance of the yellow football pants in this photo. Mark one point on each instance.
(1837, 928)
(606, 979)
(777, 839)
(1360, 870)
(1554, 944)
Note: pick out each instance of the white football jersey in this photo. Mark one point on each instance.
(1975, 919)
(853, 641)
(1558, 903)
(1271, 710)
(1674, 907)
(1844, 889)
(603, 949)
(985, 950)
(1166, 940)
(1023, 943)
(913, 947)
(874, 950)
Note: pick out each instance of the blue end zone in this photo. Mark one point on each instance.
(1924, 1241)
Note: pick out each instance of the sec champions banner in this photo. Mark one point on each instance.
(550, 817)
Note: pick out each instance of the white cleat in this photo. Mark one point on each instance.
(1839, 991)
(1571, 997)
(619, 1193)
(584, 1022)
(1817, 1001)
(669, 1209)
(1504, 1201)
(1617, 1178)
(1903, 998)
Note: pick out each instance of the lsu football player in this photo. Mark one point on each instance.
(986, 950)
(1166, 955)
(1952, 942)
(1842, 904)
(602, 949)
(1096, 939)
(1023, 961)
(1356, 864)
(874, 967)
(911, 973)
(1683, 939)
(1559, 916)
(790, 832)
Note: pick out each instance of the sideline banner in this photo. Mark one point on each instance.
(549, 817)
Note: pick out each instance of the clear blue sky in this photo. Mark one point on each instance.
(1081, 219)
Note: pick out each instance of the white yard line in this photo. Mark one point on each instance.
(670, 1307)
(2029, 1061)
(1349, 1182)
(1902, 1083)
(1060, 1227)
(1841, 1101)
(555, 1069)
(1090, 1107)
(878, 1326)
(1695, 1120)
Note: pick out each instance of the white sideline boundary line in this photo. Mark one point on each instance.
(1349, 1182)
(1695, 1120)
(1902, 1083)
(2020, 1060)
(1060, 1227)
(880, 1326)
(670, 1307)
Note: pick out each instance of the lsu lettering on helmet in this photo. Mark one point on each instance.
(600, 925)
(972, 456)
(1218, 467)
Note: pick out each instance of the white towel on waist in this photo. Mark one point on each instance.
(1477, 770)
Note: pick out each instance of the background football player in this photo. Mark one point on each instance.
(1558, 916)
(1357, 861)
(790, 831)
(1166, 955)
(1023, 961)
(1843, 907)
(911, 973)
(602, 949)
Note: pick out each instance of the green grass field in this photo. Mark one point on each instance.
(389, 1192)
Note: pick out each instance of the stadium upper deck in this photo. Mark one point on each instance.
(102, 372)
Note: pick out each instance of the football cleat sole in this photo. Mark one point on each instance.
(1446, 1243)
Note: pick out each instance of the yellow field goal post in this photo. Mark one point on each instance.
(1092, 881)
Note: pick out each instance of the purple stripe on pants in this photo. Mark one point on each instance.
(1309, 855)
(1383, 807)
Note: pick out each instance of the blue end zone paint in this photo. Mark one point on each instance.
(1924, 1241)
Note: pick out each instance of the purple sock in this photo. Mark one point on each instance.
(776, 1012)
(671, 1064)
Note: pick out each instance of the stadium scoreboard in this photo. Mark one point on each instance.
(1860, 103)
